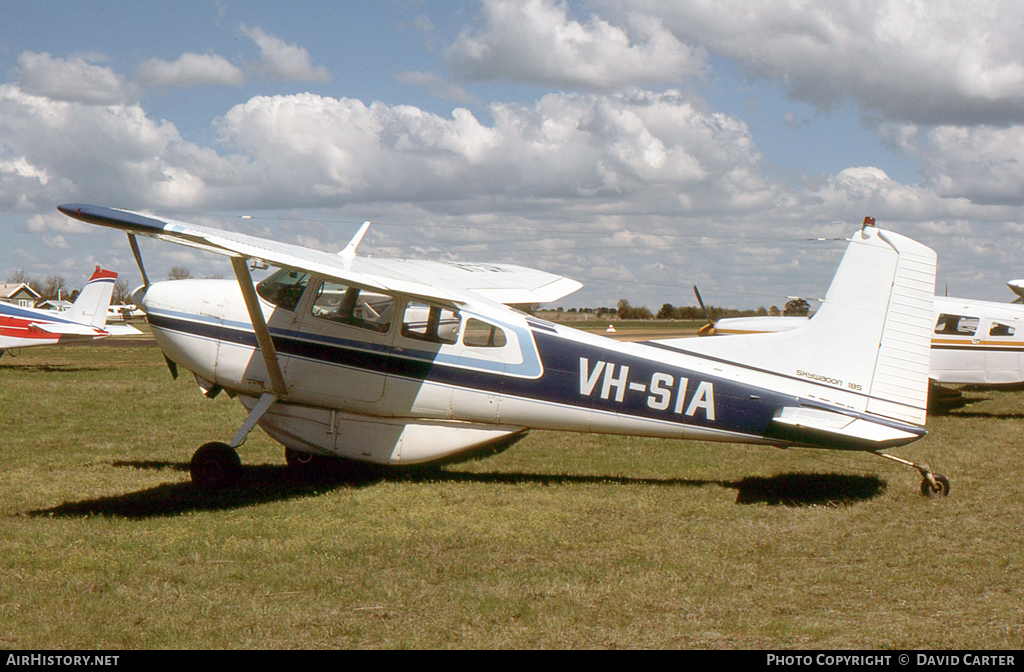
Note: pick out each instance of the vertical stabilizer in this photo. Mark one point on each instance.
(868, 346)
(90, 308)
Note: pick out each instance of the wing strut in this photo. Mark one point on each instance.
(259, 325)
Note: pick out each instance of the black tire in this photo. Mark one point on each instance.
(298, 459)
(941, 486)
(307, 465)
(215, 466)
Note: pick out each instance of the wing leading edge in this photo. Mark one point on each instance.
(449, 282)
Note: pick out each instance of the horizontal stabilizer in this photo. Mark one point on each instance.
(812, 426)
(67, 328)
(121, 330)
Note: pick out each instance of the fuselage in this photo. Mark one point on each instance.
(396, 359)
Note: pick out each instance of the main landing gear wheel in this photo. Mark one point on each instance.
(306, 464)
(214, 466)
(298, 459)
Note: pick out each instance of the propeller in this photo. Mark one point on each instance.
(709, 328)
(138, 259)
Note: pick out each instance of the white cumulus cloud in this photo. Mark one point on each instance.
(190, 69)
(935, 62)
(538, 42)
(614, 148)
(110, 152)
(281, 60)
(981, 163)
(75, 79)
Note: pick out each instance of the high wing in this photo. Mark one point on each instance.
(440, 281)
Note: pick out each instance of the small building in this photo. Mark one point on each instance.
(18, 293)
(56, 305)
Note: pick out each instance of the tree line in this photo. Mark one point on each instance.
(56, 287)
(625, 311)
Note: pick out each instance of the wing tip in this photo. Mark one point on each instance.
(111, 217)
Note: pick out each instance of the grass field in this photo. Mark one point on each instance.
(563, 541)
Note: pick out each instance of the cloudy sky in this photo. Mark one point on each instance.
(638, 146)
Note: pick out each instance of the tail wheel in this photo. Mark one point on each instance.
(940, 488)
(214, 466)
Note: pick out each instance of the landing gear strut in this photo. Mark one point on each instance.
(216, 465)
(932, 483)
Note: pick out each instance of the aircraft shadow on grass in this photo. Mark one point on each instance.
(271, 483)
(984, 415)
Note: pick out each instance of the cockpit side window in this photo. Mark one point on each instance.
(352, 306)
(998, 329)
(956, 325)
(284, 288)
(479, 334)
(433, 324)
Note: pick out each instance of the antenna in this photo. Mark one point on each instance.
(349, 253)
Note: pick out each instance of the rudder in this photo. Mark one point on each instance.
(90, 308)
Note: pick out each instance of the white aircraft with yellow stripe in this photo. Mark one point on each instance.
(402, 362)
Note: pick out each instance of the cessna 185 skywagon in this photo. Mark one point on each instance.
(402, 362)
(85, 320)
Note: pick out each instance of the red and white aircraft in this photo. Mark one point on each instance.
(85, 320)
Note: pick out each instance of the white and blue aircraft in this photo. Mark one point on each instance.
(403, 362)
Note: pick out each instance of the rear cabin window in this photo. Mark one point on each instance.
(956, 325)
(998, 329)
(479, 334)
(284, 288)
(353, 306)
(433, 324)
